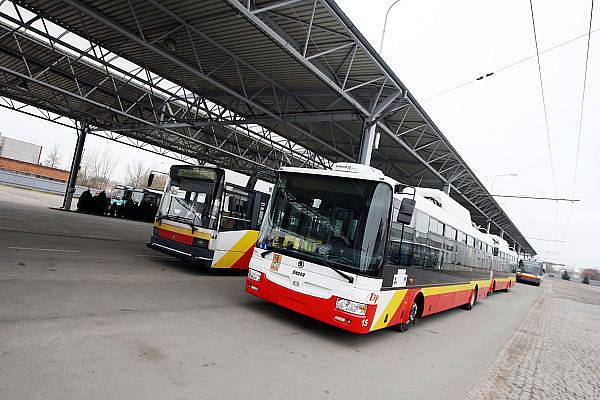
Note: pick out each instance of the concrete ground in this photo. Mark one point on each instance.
(86, 311)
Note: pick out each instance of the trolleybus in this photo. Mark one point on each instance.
(354, 249)
(530, 272)
(206, 220)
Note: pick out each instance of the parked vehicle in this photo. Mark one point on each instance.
(206, 220)
(355, 249)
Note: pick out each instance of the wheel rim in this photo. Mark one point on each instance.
(413, 313)
(473, 298)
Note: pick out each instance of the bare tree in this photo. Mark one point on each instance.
(96, 170)
(137, 174)
(53, 158)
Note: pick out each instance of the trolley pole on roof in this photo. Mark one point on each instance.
(75, 165)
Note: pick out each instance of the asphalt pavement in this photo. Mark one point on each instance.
(88, 312)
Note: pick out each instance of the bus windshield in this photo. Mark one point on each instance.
(192, 196)
(338, 222)
(531, 267)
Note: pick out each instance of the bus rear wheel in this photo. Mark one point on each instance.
(412, 317)
(472, 300)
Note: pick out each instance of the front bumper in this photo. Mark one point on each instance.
(323, 310)
(181, 250)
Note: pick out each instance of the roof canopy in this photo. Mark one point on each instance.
(298, 69)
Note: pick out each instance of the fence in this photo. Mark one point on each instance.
(35, 182)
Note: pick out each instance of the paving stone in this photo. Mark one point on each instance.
(555, 353)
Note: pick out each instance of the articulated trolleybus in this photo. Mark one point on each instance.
(354, 249)
(204, 219)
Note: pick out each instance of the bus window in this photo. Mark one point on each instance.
(237, 210)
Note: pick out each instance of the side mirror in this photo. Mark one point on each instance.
(407, 208)
(150, 180)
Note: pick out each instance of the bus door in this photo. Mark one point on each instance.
(240, 217)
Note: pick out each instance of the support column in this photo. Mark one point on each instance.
(446, 188)
(75, 165)
(489, 225)
(367, 142)
(252, 182)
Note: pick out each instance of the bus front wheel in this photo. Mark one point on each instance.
(412, 317)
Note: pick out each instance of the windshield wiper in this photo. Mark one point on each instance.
(178, 219)
(342, 274)
(325, 262)
(266, 253)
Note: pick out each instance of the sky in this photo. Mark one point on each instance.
(496, 124)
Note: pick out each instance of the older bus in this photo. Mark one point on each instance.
(204, 219)
(354, 249)
(530, 272)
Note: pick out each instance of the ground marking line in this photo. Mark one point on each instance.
(37, 249)
(6, 228)
(58, 234)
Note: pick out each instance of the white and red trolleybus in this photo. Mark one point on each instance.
(353, 248)
(206, 220)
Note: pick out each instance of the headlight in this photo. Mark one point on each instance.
(201, 243)
(254, 275)
(351, 307)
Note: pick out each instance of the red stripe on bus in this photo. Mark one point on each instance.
(178, 237)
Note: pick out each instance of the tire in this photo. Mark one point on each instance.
(412, 317)
(472, 300)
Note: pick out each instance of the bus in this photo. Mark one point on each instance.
(355, 249)
(204, 219)
(530, 272)
(118, 197)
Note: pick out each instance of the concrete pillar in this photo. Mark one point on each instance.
(75, 165)
(502, 234)
(366, 144)
(489, 225)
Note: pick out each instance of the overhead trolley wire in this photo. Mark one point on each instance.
(508, 66)
(587, 57)
(583, 91)
(537, 51)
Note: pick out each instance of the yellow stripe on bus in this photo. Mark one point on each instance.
(435, 290)
(528, 275)
(238, 250)
(390, 310)
(183, 231)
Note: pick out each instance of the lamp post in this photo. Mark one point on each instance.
(387, 13)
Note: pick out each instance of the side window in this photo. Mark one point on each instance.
(422, 222)
(237, 210)
(393, 253)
